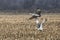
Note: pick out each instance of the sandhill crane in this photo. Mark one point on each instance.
(35, 16)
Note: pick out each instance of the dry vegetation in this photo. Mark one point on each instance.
(18, 27)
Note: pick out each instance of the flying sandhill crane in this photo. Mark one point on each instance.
(35, 16)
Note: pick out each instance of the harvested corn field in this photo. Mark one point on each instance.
(19, 27)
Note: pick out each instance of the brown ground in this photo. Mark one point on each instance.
(18, 27)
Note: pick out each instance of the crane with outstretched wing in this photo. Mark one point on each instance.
(35, 16)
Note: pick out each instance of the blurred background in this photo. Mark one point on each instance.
(30, 5)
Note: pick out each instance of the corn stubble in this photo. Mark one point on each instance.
(19, 27)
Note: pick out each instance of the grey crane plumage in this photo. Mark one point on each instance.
(41, 25)
(35, 16)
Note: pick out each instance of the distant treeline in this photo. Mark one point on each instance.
(30, 5)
